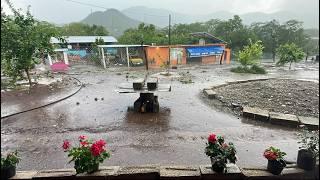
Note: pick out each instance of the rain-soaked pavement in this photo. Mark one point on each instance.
(176, 135)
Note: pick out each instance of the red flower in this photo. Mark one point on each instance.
(84, 143)
(98, 147)
(101, 143)
(66, 145)
(82, 137)
(212, 138)
(270, 155)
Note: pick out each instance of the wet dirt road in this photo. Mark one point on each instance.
(176, 135)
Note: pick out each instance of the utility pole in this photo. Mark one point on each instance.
(169, 62)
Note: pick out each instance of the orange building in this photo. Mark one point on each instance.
(188, 54)
(210, 50)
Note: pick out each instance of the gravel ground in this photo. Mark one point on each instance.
(277, 95)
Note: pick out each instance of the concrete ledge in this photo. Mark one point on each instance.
(25, 175)
(257, 174)
(137, 172)
(179, 172)
(55, 174)
(255, 113)
(218, 86)
(310, 122)
(284, 119)
(210, 93)
(101, 174)
(290, 173)
(237, 82)
(153, 172)
(233, 173)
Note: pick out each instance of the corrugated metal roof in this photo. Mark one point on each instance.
(121, 45)
(207, 35)
(84, 39)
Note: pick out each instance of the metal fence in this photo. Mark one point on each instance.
(124, 56)
(84, 56)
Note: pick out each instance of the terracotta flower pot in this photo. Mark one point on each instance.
(8, 172)
(306, 160)
(275, 167)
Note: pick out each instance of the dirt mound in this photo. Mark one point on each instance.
(277, 95)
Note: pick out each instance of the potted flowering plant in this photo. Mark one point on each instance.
(309, 149)
(220, 152)
(8, 165)
(87, 155)
(276, 162)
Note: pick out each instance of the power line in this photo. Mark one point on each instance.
(92, 5)
(86, 4)
(164, 16)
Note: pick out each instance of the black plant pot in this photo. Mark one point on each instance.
(316, 172)
(216, 167)
(275, 167)
(8, 172)
(306, 160)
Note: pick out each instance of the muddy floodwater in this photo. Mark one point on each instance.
(176, 135)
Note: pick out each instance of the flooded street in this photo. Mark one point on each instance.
(175, 135)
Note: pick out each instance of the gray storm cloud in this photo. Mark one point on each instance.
(64, 11)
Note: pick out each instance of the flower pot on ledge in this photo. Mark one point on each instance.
(216, 167)
(8, 172)
(95, 168)
(275, 167)
(306, 160)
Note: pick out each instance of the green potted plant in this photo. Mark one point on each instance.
(8, 165)
(276, 162)
(309, 149)
(87, 155)
(220, 153)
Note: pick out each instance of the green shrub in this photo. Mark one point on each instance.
(254, 69)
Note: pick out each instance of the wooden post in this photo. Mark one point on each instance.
(222, 55)
(49, 59)
(65, 57)
(103, 58)
(128, 60)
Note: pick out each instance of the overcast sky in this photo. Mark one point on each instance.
(65, 11)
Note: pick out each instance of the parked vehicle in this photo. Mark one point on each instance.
(136, 60)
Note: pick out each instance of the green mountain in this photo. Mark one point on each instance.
(159, 17)
(115, 21)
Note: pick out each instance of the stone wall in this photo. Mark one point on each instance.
(154, 172)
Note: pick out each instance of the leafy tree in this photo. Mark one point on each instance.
(234, 32)
(146, 34)
(289, 53)
(250, 53)
(311, 47)
(81, 29)
(269, 34)
(292, 32)
(23, 41)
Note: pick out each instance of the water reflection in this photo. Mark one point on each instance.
(158, 120)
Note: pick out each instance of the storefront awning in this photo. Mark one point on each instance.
(204, 51)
